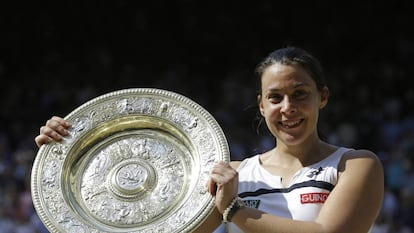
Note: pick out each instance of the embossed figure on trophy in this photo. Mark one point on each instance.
(99, 165)
(132, 176)
(54, 207)
(71, 224)
(50, 174)
(142, 105)
(102, 209)
(169, 160)
(123, 211)
(124, 106)
(141, 148)
(119, 151)
(91, 193)
(208, 159)
(165, 192)
(79, 125)
(193, 123)
(179, 218)
(59, 151)
(142, 210)
(163, 108)
(95, 175)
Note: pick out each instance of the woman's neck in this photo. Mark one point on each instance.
(305, 154)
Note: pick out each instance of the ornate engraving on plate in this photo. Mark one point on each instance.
(140, 175)
(135, 160)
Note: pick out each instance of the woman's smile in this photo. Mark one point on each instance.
(291, 123)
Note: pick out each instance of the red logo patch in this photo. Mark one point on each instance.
(313, 197)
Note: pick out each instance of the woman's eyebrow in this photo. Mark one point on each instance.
(296, 85)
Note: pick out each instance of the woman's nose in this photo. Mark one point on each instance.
(288, 105)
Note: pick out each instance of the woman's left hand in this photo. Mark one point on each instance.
(223, 184)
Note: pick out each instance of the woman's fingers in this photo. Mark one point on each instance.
(212, 187)
(221, 174)
(51, 133)
(54, 130)
(57, 124)
(61, 121)
(47, 135)
(42, 139)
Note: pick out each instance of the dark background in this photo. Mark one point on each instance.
(56, 56)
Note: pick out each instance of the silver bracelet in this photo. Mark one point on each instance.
(235, 205)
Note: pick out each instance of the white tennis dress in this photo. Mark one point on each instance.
(302, 200)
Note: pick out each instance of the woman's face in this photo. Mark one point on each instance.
(290, 103)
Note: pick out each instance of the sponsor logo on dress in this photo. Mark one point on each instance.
(306, 198)
(252, 203)
(315, 172)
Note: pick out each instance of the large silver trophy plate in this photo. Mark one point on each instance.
(136, 160)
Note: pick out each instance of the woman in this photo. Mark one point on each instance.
(304, 184)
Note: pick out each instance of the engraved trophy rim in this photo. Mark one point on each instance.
(135, 160)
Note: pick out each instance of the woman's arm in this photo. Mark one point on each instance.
(356, 200)
(210, 224)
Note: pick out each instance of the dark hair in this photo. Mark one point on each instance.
(290, 56)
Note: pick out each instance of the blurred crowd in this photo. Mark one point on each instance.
(53, 66)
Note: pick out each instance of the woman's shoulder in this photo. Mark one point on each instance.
(359, 159)
(360, 153)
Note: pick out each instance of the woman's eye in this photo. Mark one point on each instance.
(275, 98)
(299, 94)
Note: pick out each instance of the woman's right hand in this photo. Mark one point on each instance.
(54, 129)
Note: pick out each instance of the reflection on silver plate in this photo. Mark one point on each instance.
(136, 160)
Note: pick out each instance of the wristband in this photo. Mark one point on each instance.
(234, 206)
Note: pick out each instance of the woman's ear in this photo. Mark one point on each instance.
(324, 97)
(259, 103)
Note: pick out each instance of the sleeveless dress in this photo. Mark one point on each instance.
(301, 200)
